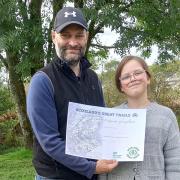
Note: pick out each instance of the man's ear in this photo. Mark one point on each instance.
(53, 36)
(87, 35)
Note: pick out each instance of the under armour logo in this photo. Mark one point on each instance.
(66, 14)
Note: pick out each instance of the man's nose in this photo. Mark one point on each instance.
(73, 41)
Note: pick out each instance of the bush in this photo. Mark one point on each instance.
(7, 102)
(8, 136)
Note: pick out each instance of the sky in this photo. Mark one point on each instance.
(109, 37)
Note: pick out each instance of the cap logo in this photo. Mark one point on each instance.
(66, 14)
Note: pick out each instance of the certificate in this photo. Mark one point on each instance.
(105, 133)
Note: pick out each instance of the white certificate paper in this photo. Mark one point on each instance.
(105, 133)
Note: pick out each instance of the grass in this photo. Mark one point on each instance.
(16, 164)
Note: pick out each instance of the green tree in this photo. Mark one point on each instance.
(150, 23)
(16, 43)
(166, 83)
(6, 99)
(112, 96)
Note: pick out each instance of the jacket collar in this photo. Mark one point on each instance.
(62, 65)
(84, 63)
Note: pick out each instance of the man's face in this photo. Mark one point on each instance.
(70, 43)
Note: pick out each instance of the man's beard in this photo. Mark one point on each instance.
(71, 61)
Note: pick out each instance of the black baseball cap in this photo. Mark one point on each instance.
(67, 16)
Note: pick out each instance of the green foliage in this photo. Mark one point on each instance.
(147, 23)
(165, 85)
(111, 66)
(17, 164)
(112, 96)
(21, 36)
(9, 137)
(6, 100)
(97, 57)
(10, 26)
(137, 23)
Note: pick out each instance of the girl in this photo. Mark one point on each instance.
(162, 137)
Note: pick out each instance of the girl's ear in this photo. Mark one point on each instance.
(148, 80)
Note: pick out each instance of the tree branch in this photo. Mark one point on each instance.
(98, 28)
(101, 46)
(23, 10)
(126, 6)
(78, 3)
(4, 61)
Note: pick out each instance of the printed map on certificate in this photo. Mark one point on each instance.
(105, 133)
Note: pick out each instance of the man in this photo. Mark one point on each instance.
(66, 79)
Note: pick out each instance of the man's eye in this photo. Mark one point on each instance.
(65, 36)
(79, 36)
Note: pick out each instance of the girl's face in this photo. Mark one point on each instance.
(134, 80)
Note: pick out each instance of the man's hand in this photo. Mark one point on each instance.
(105, 166)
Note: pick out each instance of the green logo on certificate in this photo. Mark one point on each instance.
(133, 152)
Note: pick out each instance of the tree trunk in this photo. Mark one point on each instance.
(35, 17)
(18, 91)
(57, 5)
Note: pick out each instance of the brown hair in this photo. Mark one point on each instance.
(124, 61)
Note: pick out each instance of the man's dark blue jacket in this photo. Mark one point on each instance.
(50, 91)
